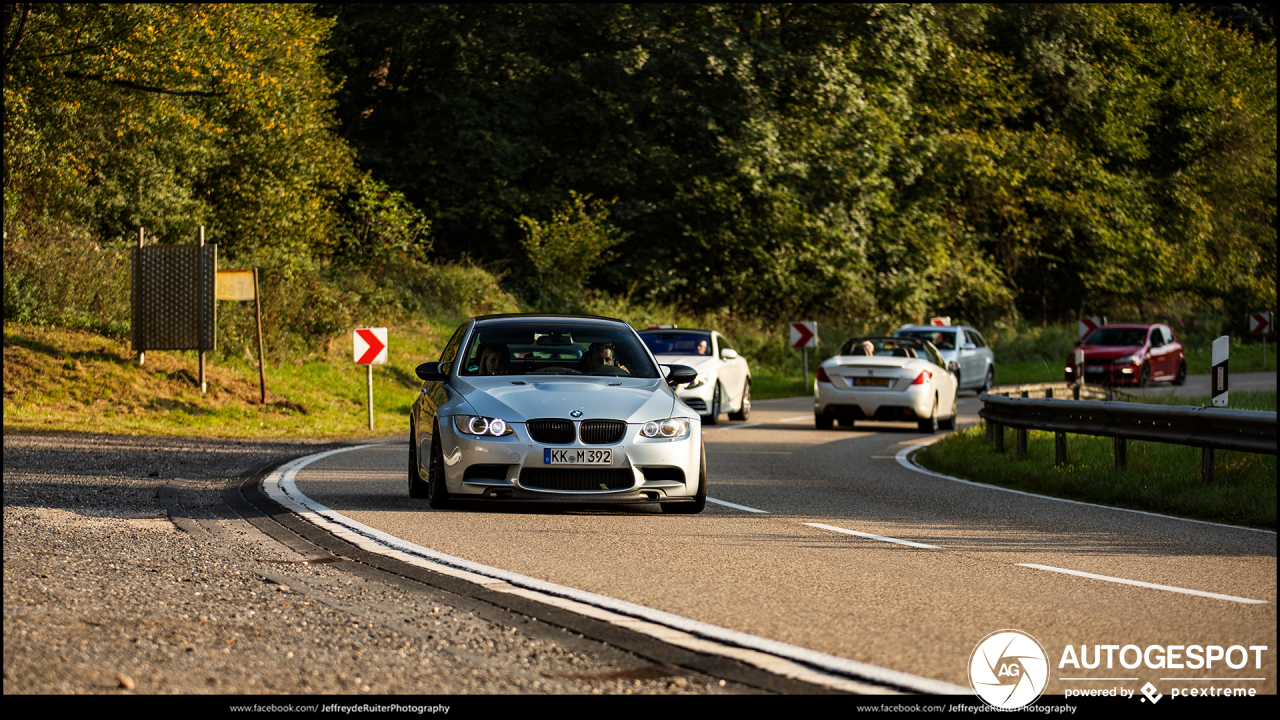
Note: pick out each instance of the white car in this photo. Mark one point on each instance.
(554, 409)
(887, 379)
(724, 379)
(964, 349)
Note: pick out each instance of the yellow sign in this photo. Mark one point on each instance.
(235, 284)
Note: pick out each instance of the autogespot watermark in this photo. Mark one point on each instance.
(1008, 669)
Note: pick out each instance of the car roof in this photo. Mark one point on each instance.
(917, 341)
(1135, 326)
(932, 327)
(674, 330)
(519, 318)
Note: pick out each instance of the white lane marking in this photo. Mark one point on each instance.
(736, 506)
(905, 461)
(1139, 583)
(869, 536)
(738, 427)
(797, 419)
(281, 486)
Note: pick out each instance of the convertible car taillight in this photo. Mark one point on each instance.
(924, 377)
(822, 375)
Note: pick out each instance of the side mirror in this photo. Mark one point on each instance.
(968, 346)
(728, 354)
(680, 374)
(434, 371)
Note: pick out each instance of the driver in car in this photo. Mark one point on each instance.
(600, 355)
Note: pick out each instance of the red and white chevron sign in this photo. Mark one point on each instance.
(804, 335)
(1088, 325)
(371, 346)
(1260, 323)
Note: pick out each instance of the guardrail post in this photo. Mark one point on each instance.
(1048, 393)
(1206, 465)
(1021, 434)
(1075, 390)
(1026, 393)
(1122, 453)
(999, 433)
(1060, 448)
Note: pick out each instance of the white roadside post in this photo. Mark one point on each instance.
(1219, 375)
(804, 335)
(370, 348)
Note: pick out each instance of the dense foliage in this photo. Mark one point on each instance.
(864, 163)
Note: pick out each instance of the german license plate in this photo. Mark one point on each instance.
(573, 456)
(870, 382)
(1095, 368)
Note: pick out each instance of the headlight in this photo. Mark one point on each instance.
(1125, 359)
(476, 425)
(697, 382)
(671, 428)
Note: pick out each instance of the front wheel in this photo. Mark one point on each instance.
(417, 488)
(714, 416)
(823, 422)
(437, 492)
(744, 412)
(990, 381)
(1181, 378)
(699, 498)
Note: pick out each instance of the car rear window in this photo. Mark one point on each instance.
(941, 339)
(1117, 337)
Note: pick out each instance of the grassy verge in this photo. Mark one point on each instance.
(1160, 478)
(71, 380)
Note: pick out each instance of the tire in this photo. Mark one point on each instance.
(990, 380)
(417, 488)
(929, 425)
(823, 422)
(744, 412)
(437, 492)
(950, 422)
(1144, 375)
(849, 422)
(1181, 378)
(699, 498)
(713, 417)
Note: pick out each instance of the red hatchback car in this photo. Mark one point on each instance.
(1131, 355)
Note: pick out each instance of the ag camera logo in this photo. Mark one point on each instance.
(1008, 669)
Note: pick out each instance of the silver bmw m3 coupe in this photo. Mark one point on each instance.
(554, 408)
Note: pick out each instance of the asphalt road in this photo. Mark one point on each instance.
(1199, 385)
(919, 610)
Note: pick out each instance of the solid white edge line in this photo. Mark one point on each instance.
(737, 427)
(1139, 583)
(869, 536)
(735, 506)
(796, 419)
(281, 486)
(905, 461)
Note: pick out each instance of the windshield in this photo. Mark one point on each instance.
(1117, 337)
(941, 339)
(556, 349)
(678, 343)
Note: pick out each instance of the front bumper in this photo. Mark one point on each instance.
(699, 398)
(1126, 374)
(644, 470)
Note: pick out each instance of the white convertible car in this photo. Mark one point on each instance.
(554, 408)
(724, 379)
(887, 379)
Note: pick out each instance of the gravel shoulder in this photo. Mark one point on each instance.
(125, 571)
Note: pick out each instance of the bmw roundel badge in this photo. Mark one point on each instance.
(576, 413)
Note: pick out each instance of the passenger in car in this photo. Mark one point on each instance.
(864, 348)
(495, 359)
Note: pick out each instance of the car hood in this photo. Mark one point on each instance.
(1109, 352)
(701, 363)
(633, 400)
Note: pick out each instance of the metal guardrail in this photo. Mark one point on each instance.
(1206, 428)
(1073, 391)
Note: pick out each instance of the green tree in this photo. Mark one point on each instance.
(567, 249)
